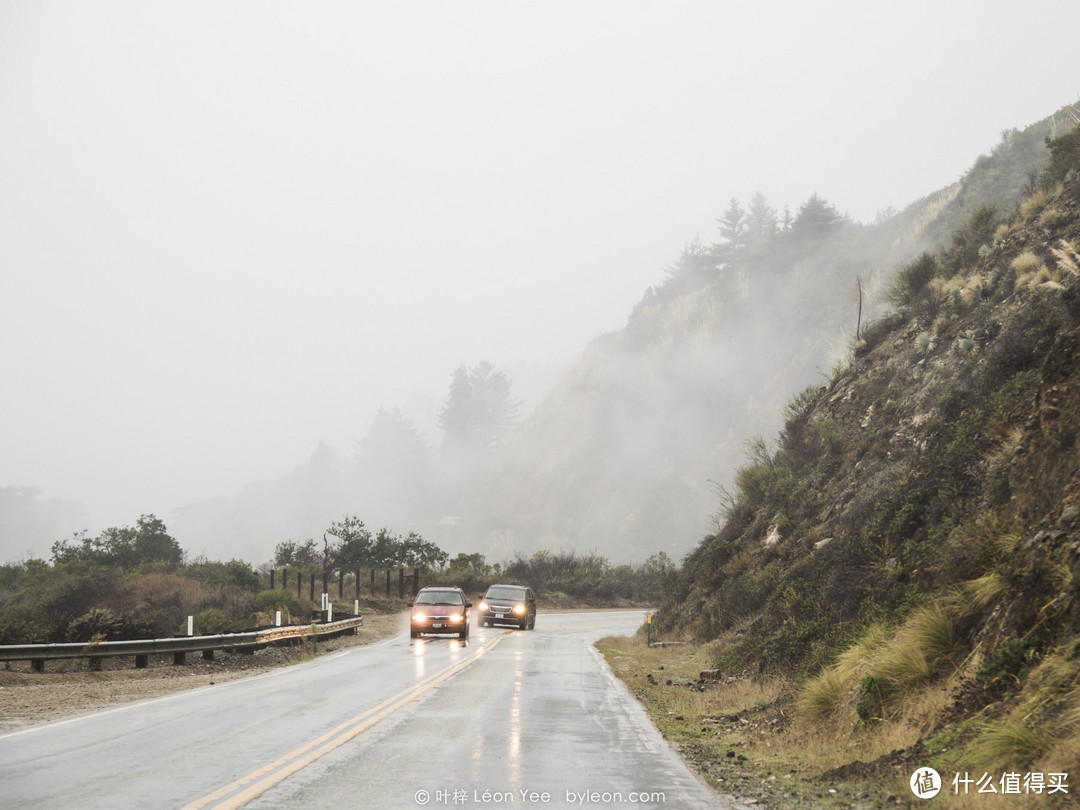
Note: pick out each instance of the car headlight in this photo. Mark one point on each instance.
(418, 617)
(519, 609)
(456, 617)
(483, 605)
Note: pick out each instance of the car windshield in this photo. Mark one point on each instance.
(438, 598)
(506, 593)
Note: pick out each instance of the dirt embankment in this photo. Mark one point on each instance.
(67, 688)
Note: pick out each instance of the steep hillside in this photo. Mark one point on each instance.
(915, 526)
(626, 453)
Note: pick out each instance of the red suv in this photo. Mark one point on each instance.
(440, 609)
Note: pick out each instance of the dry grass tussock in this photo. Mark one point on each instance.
(1041, 730)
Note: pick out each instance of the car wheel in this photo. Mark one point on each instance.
(532, 623)
(414, 634)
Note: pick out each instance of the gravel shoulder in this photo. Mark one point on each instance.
(68, 689)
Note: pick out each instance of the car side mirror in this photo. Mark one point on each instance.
(468, 604)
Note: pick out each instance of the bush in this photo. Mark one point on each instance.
(1064, 158)
(212, 622)
(100, 622)
(236, 573)
(1010, 658)
(269, 602)
(911, 290)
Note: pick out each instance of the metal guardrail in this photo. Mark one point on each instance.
(178, 646)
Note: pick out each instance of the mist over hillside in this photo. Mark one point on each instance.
(626, 453)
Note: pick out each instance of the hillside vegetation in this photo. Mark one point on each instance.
(905, 554)
(622, 455)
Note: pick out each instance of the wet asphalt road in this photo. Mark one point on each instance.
(524, 719)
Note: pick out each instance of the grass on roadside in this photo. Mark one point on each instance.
(743, 735)
(789, 745)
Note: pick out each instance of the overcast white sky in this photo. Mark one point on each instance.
(229, 230)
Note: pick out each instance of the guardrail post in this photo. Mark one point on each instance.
(208, 655)
(178, 659)
(37, 664)
(141, 661)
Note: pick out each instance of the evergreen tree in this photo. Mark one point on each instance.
(733, 231)
(816, 218)
(695, 267)
(761, 224)
(479, 411)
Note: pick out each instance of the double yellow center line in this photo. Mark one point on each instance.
(245, 789)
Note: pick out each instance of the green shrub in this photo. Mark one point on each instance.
(286, 601)
(870, 706)
(1010, 658)
(911, 289)
(211, 622)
